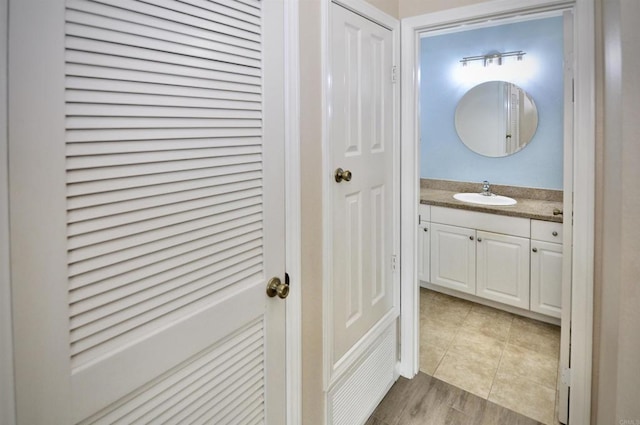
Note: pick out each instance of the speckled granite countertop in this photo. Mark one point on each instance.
(538, 209)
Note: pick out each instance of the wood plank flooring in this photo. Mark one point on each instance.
(425, 400)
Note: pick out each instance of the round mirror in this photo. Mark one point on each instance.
(496, 118)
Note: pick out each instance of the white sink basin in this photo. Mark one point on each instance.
(479, 198)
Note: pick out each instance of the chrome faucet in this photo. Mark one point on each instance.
(486, 188)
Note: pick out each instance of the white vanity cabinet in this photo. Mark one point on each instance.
(453, 257)
(511, 260)
(546, 268)
(502, 264)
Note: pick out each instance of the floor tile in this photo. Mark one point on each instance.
(537, 336)
(472, 343)
(430, 357)
(437, 332)
(489, 322)
(469, 371)
(537, 367)
(453, 313)
(524, 396)
(469, 346)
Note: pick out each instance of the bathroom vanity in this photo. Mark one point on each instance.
(509, 256)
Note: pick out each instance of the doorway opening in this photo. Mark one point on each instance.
(436, 22)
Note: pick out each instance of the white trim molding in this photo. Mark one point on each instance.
(584, 184)
(293, 213)
(7, 395)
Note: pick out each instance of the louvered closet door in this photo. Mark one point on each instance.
(147, 209)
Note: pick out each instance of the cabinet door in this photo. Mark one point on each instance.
(423, 253)
(453, 257)
(546, 278)
(503, 268)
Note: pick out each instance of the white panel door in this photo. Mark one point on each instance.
(453, 257)
(147, 210)
(503, 268)
(546, 278)
(362, 208)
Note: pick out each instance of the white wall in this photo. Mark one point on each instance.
(617, 324)
(419, 7)
(7, 405)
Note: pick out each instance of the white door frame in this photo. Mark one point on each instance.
(293, 230)
(7, 397)
(293, 214)
(584, 189)
(370, 12)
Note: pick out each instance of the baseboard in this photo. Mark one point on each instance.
(494, 304)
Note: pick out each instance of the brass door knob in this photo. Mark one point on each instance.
(341, 174)
(276, 287)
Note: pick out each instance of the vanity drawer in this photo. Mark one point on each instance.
(547, 231)
(425, 213)
(516, 226)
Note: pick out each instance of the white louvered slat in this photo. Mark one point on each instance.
(116, 159)
(240, 410)
(81, 193)
(196, 101)
(153, 17)
(84, 109)
(164, 156)
(147, 146)
(141, 197)
(115, 323)
(211, 15)
(176, 394)
(151, 133)
(121, 275)
(206, 386)
(120, 245)
(231, 398)
(210, 376)
(128, 29)
(89, 59)
(147, 253)
(123, 89)
(122, 333)
(136, 204)
(105, 231)
(193, 281)
(117, 72)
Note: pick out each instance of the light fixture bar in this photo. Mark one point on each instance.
(493, 57)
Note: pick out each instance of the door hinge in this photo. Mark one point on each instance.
(565, 376)
(394, 74)
(394, 262)
(573, 90)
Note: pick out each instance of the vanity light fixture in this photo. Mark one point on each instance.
(494, 58)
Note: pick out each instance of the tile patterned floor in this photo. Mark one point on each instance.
(498, 356)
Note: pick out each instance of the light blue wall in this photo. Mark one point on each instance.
(444, 81)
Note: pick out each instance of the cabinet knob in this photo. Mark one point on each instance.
(479, 239)
(535, 250)
(426, 230)
(554, 233)
(470, 238)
